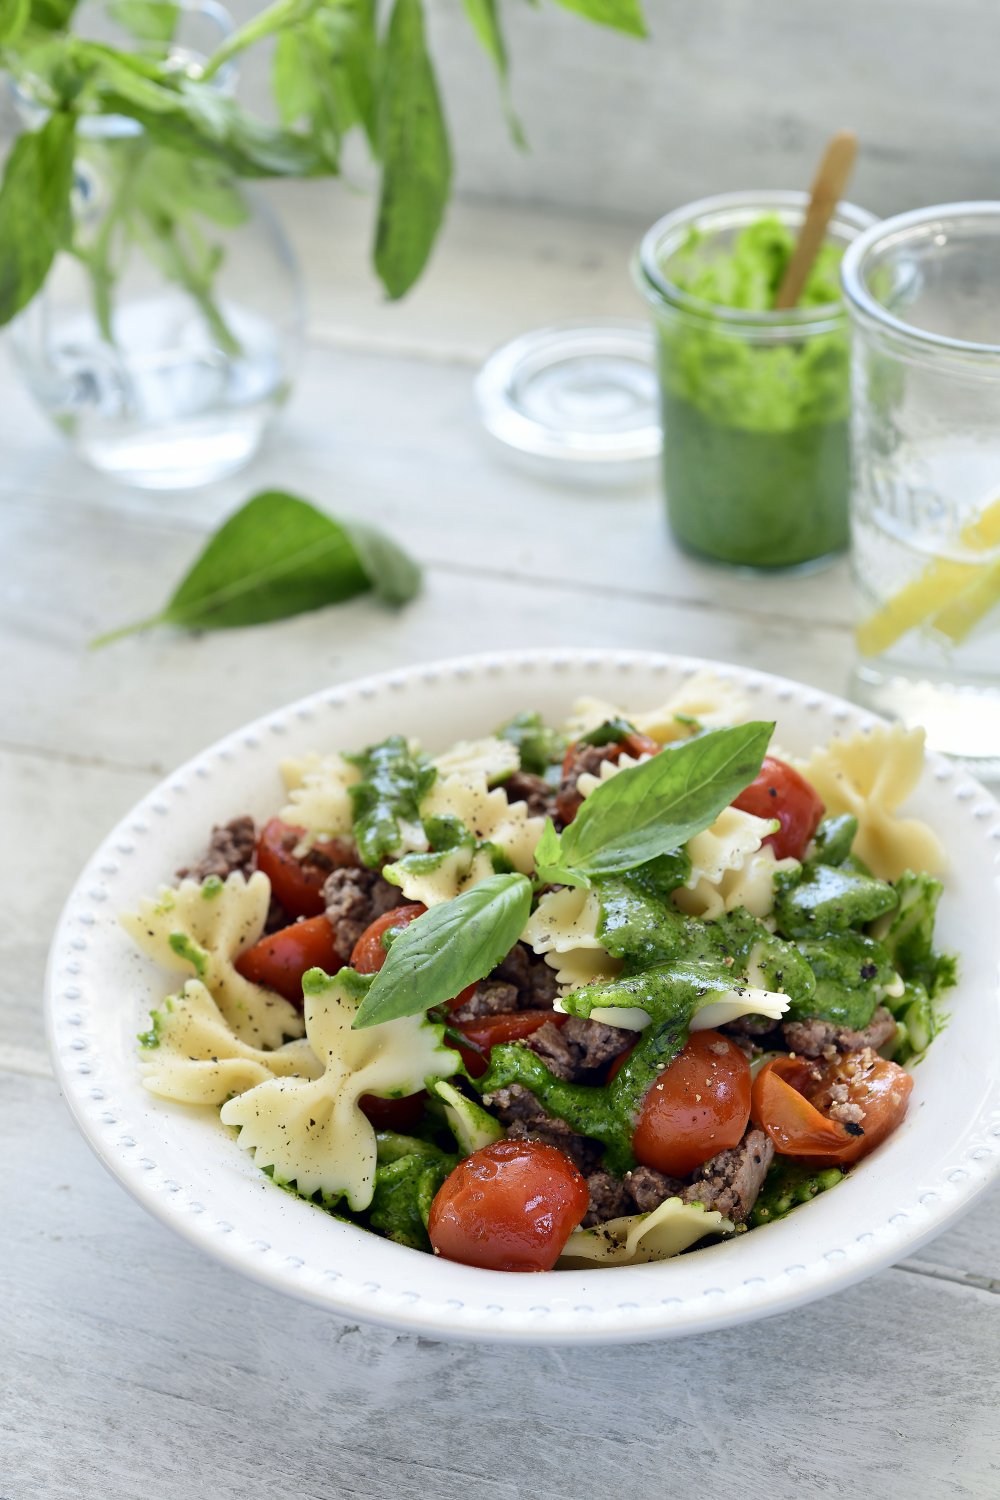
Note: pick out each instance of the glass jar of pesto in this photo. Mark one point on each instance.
(754, 401)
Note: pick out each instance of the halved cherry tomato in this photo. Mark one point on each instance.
(280, 960)
(297, 880)
(508, 1207)
(369, 952)
(780, 792)
(697, 1107)
(791, 1099)
(485, 1032)
(569, 802)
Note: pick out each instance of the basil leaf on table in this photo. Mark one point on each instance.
(280, 556)
(451, 946)
(34, 209)
(657, 806)
(416, 156)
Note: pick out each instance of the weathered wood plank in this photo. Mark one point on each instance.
(137, 1368)
(154, 701)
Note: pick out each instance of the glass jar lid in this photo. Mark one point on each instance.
(576, 393)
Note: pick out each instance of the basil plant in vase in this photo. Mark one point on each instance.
(157, 301)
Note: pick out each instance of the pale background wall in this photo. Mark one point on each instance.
(726, 93)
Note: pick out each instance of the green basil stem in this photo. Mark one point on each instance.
(272, 18)
(97, 257)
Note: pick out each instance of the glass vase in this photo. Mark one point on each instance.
(163, 342)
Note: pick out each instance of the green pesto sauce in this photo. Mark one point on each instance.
(193, 953)
(851, 970)
(787, 1184)
(755, 449)
(538, 746)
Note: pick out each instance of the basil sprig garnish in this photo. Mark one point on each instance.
(649, 809)
(451, 946)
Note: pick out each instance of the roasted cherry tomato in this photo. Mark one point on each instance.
(369, 953)
(792, 1098)
(297, 880)
(509, 1207)
(485, 1032)
(697, 1107)
(280, 960)
(780, 792)
(569, 802)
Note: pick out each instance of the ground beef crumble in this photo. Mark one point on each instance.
(815, 1038)
(521, 981)
(231, 847)
(534, 791)
(730, 1182)
(354, 898)
(578, 1050)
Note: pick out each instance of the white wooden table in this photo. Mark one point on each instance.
(132, 1365)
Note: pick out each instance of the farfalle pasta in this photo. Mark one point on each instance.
(198, 1059)
(200, 929)
(694, 933)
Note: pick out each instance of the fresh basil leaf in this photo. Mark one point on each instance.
(51, 15)
(484, 17)
(148, 20)
(277, 556)
(393, 574)
(416, 157)
(13, 19)
(549, 863)
(611, 732)
(622, 15)
(451, 946)
(658, 805)
(324, 72)
(393, 783)
(34, 210)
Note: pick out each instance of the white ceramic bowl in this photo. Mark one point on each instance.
(186, 1168)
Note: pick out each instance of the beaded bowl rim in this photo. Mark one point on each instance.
(355, 1274)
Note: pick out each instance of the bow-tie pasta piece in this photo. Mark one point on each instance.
(705, 700)
(498, 832)
(639, 1238)
(318, 795)
(731, 868)
(871, 775)
(563, 928)
(491, 758)
(190, 1055)
(199, 930)
(314, 1133)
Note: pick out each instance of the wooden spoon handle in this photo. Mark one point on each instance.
(827, 191)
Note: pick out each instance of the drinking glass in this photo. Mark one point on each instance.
(923, 292)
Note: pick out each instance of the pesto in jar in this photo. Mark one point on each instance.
(755, 439)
